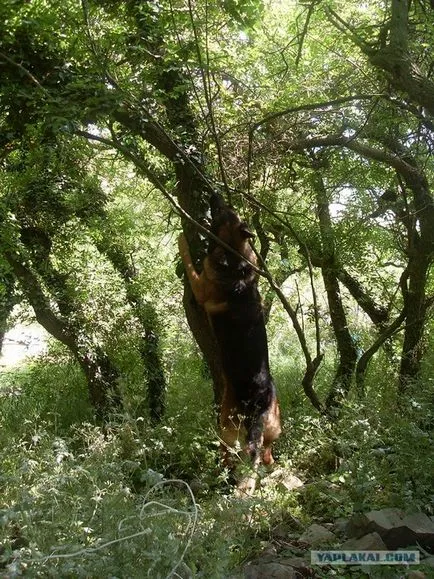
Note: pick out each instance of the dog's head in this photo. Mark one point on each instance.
(227, 225)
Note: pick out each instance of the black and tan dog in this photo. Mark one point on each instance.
(227, 289)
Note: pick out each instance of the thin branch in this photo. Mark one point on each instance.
(393, 59)
(313, 106)
(85, 9)
(204, 71)
(187, 66)
(24, 70)
(412, 110)
(364, 360)
(306, 253)
(296, 324)
(249, 162)
(338, 140)
(152, 178)
(347, 29)
(304, 31)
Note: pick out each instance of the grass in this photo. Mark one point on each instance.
(129, 500)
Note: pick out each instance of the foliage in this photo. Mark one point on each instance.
(107, 496)
(70, 487)
(315, 120)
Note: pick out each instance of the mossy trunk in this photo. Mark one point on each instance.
(7, 302)
(101, 374)
(346, 349)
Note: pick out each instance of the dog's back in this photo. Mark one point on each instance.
(240, 333)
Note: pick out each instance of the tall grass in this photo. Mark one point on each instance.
(128, 500)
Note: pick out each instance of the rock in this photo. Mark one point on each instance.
(395, 528)
(378, 521)
(340, 526)
(291, 482)
(369, 542)
(428, 562)
(269, 571)
(281, 531)
(296, 561)
(285, 529)
(301, 565)
(283, 478)
(316, 535)
(356, 526)
(416, 575)
(269, 552)
(422, 527)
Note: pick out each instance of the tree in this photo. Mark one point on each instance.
(39, 189)
(200, 99)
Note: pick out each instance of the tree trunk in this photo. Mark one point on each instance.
(193, 193)
(415, 308)
(146, 315)
(151, 356)
(101, 376)
(345, 345)
(7, 302)
(420, 226)
(190, 195)
(100, 373)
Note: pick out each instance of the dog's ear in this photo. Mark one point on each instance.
(245, 231)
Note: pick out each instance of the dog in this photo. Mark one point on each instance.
(227, 288)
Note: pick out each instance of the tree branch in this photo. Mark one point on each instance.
(394, 59)
(312, 107)
(154, 180)
(367, 355)
(24, 70)
(43, 312)
(304, 31)
(378, 314)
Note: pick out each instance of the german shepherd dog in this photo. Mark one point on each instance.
(227, 288)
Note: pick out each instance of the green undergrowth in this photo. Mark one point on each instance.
(131, 500)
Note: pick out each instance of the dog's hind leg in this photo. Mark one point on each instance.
(272, 431)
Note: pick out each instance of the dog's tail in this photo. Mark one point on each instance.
(255, 436)
(256, 411)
